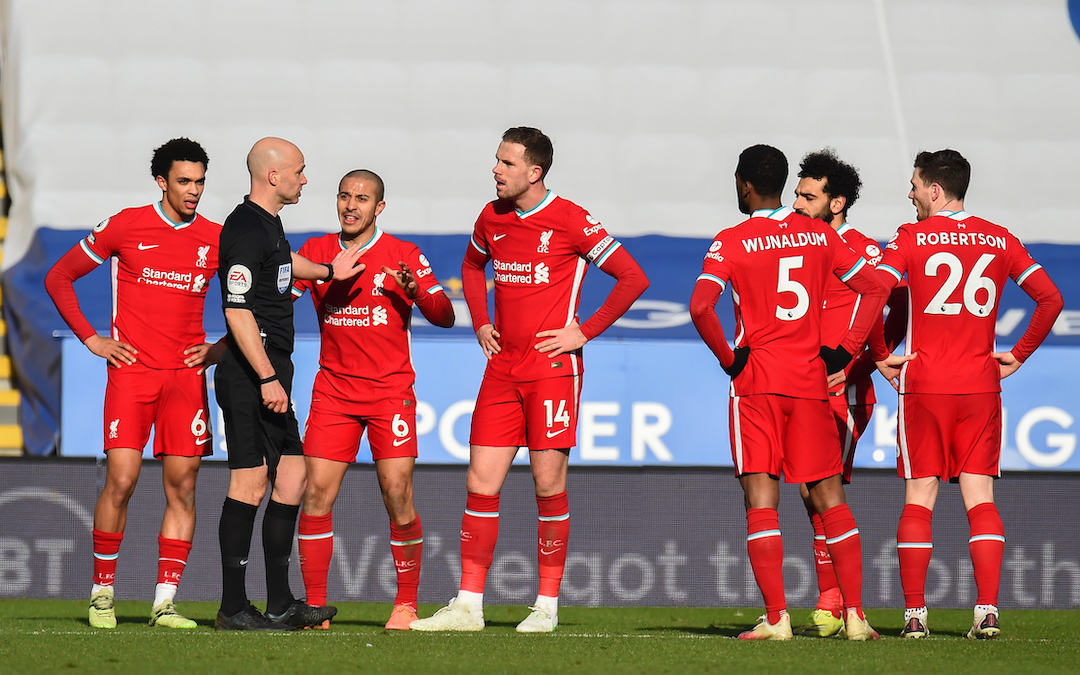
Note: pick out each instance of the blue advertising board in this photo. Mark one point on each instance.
(643, 402)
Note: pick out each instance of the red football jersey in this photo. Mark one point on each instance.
(365, 321)
(160, 270)
(840, 306)
(539, 258)
(779, 265)
(956, 265)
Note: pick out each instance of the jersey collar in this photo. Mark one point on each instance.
(169, 221)
(374, 238)
(955, 215)
(548, 198)
(774, 214)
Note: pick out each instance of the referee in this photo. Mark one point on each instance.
(253, 383)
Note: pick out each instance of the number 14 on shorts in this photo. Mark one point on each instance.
(560, 414)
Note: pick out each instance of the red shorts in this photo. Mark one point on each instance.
(773, 434)
(851, 421)
(945, 435)
(172, 401)
(334, 427)
(542, 415)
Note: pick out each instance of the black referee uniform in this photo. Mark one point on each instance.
(255, 271)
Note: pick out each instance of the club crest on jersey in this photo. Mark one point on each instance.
(238, 281)
(377, 283)
(203, 252)
(284, 277)
(545, 239)
(112, 428)
(198, 284)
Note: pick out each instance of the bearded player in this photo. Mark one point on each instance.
(949, 379)
(365, 382)
(163, 255)
(827, 188)
(539, 246)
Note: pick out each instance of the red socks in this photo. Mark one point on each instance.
(106, 551)
(914, 544)
(172, 559)
(829, 596)
(845, 548)
(987, 546)
(479, 533)
(553, 532)
(766, 550)
(315, 541)
(407, 545)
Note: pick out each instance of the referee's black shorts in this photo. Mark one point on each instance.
(253, 434)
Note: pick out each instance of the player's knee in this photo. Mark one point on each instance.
(120, 487)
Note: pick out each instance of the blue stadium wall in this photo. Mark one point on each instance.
(652, 395)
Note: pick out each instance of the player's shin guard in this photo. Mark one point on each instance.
(407, 546)
(829, 597)
(553, 532)
(987, 546)
(766, 550)
(172, 559)
(234, 538)
(315, 542)
(845, 548)
(106, 551)
(914, 544)
(279, 523)
(479, 532)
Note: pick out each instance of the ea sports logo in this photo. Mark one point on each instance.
(239, 279)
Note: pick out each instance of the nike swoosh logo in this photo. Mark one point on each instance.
(243, 563)
(147, 247)
(202, 441)
(497, 237)
(547, 552)
(553, 434)
(400, 441)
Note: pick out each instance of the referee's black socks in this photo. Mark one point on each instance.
(279, 526)
(234, 537)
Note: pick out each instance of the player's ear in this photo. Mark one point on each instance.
(535, 173)
(837, 204)
(271, 177)
(162, 183)
(379, 207)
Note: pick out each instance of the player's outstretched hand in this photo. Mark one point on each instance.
(274, 397)
(204, 355)
(1008, 363)
(115, 352)
(561, 340)
(890, 367)
(405, 279)
(345, 263)
(488, 338)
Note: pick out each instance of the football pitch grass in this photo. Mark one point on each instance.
(53, 636)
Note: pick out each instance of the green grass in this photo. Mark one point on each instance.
(53, 636)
